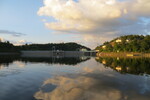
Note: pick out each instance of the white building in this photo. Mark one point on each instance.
(127, 40)
(118, 40)
(104, 46)
(83, 49)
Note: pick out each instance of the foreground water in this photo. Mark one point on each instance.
(74, 78)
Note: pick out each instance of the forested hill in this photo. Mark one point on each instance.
(55, 46)
(128, 43)
(8, 47)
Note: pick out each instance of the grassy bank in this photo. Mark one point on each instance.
(122, 54)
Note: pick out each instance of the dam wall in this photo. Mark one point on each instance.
(55, 53)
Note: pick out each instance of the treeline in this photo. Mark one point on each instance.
(8, 47)
(128, 43)
(54, 46)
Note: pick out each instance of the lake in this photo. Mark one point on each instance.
(74, 78)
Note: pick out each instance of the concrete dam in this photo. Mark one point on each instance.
(57, 53)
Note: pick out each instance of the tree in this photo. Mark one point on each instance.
(128, 43)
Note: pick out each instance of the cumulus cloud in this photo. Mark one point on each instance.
(21, 42)
(1, 39)
(96, 16)
(16, 34)
(16, 42)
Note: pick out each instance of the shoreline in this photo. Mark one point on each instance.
(122, 54)
(99, 54)
(51, 53)
(9, 53)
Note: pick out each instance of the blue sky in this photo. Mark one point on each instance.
(21, 16)
(89, 22)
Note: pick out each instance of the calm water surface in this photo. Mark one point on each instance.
(74, 78)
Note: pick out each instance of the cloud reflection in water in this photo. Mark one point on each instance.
(94, 86)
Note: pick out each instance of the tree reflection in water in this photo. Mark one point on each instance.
(85, 81)
(137, 66)
(7, 59)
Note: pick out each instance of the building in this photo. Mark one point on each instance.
(118, 40)
(104, 46)
(127, 40)
(97, 50)
(118, 68)
(83, 49)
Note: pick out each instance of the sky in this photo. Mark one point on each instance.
(88, 22)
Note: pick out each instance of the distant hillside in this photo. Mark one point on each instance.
(128, 43)
(55, 46)
(8, 47)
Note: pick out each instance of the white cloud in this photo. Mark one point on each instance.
(99, 18)
(16, 42)
(21, 42)
(2, 39)
(82, 16)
